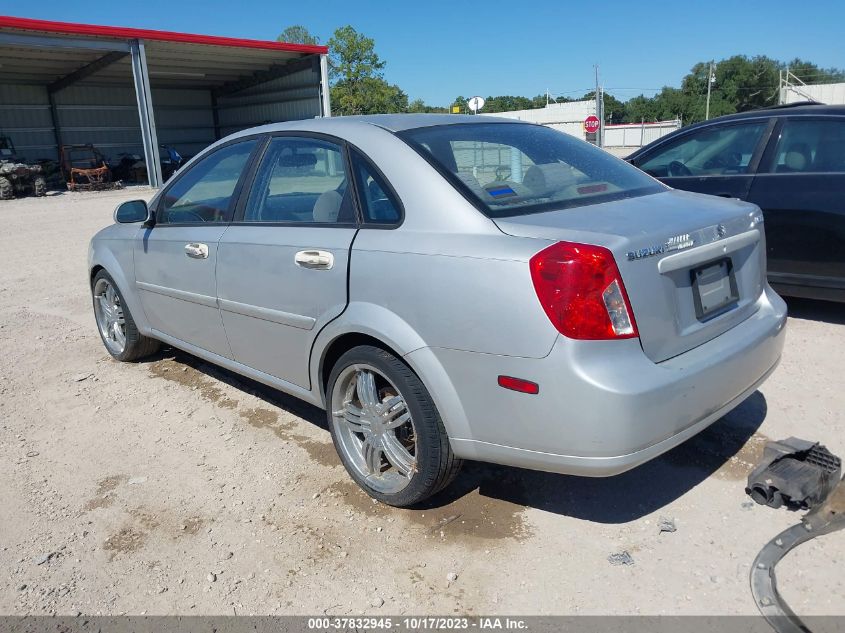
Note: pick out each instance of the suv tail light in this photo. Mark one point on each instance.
(581, 290)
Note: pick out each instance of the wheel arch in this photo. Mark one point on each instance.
(369, 324)
(93, 273)
(102, 258)
(339, 346)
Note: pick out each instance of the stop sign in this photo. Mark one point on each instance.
(591, 124)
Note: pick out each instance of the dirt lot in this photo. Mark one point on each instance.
(171, 487)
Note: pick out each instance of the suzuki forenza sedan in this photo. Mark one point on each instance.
(449, 288)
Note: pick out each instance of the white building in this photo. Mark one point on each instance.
(831, 94)
(569, 117)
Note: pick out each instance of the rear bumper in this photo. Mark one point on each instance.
(603, 406)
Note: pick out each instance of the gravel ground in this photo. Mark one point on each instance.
(171, 487)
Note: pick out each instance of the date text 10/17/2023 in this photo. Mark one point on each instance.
(427, 623)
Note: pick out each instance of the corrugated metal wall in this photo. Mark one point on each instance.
(107, 115)
(295, 96)
(25, 118)
(184, 119)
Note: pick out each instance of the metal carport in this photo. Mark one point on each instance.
(126, 89)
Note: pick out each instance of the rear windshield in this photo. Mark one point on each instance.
(510, 169)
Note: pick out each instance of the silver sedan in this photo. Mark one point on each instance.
(449, 288)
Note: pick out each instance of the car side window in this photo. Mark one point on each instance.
(810, 145)
(204, 193)
(712, 151)
(301, 180)
(378, 202)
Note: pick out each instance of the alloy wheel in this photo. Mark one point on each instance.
(110, 319)
(374, 428)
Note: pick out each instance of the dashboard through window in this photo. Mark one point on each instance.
(204, 193)
(515, 168)
(712, 151)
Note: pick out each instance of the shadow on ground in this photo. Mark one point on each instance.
(730, 446)
(271, 396)
(812, 310)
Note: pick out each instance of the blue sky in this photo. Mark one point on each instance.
(437, 50)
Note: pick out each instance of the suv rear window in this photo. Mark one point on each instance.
(509, 169)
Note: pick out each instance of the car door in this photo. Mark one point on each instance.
(282, 268)
(175, 260)
(800, 188)
(718, 159)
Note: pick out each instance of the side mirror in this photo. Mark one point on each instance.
(131, 212)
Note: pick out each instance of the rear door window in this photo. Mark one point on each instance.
(301, 181)
(810, 146)
(711, 151)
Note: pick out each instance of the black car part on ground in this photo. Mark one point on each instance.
(800, 475)
(795, 473)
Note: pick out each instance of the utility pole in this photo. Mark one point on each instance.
(710, 80)
(599, 110)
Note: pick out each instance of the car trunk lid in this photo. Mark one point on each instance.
(693, 265)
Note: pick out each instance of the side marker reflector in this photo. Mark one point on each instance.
(518, 384)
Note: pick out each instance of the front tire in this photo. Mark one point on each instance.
(115, 324)
(386, 429)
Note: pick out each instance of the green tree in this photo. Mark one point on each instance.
(614, 109)
(353, 56)
(742, 83)
(810, 73)
(297, 34)
(461, 102)
(418, 106)
(358, 85)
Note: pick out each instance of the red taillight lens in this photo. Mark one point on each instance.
(581, 290)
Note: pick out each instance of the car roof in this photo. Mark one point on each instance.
(787, 109)
(402, 122)
(389, 122)
(802, 108)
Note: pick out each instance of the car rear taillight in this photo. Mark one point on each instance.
(581, 290)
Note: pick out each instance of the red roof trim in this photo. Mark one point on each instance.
(119, 32)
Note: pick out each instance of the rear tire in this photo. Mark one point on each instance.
(386, 428)
(7, 191)
(115, 324)
(39, 187)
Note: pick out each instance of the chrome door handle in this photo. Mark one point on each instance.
(196, 250)
(319, 260)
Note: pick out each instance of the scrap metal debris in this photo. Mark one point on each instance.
(665, 524)
(795, 473)
(620, 558)
(798, 475)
